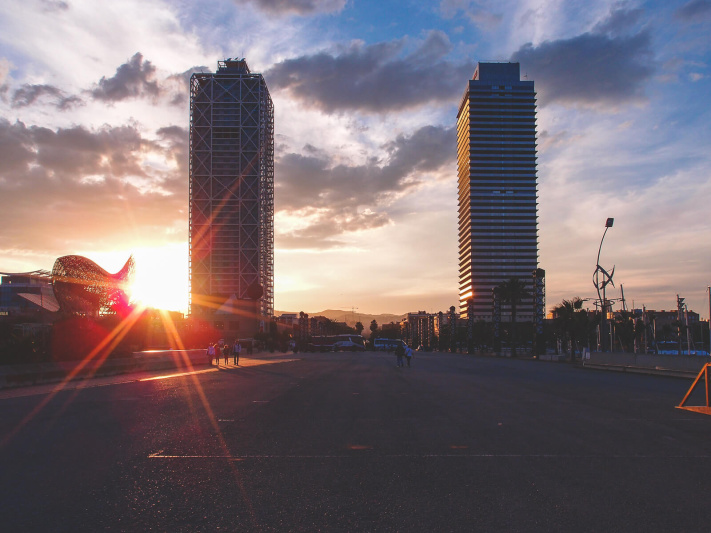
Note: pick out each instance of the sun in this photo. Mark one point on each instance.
(161, 279)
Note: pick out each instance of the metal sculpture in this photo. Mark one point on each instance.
(601, 279)
(84, 288)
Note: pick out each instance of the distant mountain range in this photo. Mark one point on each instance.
(351, 317)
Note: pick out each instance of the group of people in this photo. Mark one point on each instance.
(403, 350)
(215, 350)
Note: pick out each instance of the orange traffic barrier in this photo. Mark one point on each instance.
(698, 408)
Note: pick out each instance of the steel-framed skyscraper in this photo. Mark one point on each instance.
(231, 189)
(496, 164)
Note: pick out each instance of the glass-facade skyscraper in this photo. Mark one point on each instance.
(498, 203)
(231, 191)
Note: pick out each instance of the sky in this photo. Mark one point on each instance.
(94, 116)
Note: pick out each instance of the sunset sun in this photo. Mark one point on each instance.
(161, 278)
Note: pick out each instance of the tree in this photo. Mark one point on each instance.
(571, 320)
(624, 330)
(512, 292)
(359, 327)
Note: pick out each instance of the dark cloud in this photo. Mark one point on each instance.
(694, 11)
(51, 6)
(471, 10)
(132, 80)
(325, 230)
(176, 148)
(137, 79)
(620, 20)
(76, 185)
(296, 7)
(374, 78)
(337, 199)
(28, 94)
(589, 69)
(177, 86)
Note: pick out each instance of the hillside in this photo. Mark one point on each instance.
(351, 317)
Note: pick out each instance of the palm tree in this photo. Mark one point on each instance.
(624, 330)
(373, 329)
(513, 292)
(571, 320)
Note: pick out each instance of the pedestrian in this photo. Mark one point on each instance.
(211, 353)
(399, 352)
(226, 352)
(408, 354)
(236, 350)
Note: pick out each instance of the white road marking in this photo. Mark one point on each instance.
(160, 455)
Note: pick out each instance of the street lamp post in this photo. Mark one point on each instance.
(601, 285)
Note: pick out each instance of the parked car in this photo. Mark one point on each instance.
(335, 343)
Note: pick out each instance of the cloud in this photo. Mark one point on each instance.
(296, 7)
(4, 75)
(481, 18)
(696, 76)
(132, 79)
(589, 69)
(51, 6)
(176, 148)
(28, 94)
(335, 199)
(177, 86)
(694, 11)
(53, 181)
(619, 20)
(137, 78)
(373, 78)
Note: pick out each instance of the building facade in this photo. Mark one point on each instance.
(419, 329)
(26, 295)
(231, 193)
(496, 165)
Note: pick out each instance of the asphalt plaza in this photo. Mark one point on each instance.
(348, 442)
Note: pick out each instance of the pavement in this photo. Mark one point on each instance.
(348, 442)
(64, 371)
(182, 360)
(681, 366)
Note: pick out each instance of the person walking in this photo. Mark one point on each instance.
(211, 354)
(226, 352)
(236, 350)
(399, 352)
(408, 354)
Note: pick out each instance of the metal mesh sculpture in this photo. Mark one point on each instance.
(83, 287)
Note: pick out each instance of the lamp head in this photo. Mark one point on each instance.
(609, 222)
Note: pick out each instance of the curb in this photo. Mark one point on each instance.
(669, 372)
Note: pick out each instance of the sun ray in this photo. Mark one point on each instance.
(102, 350)
(175, 338)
